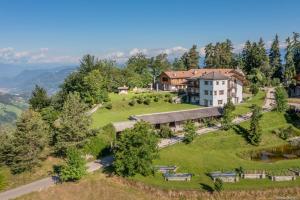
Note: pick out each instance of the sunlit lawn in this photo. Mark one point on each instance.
(245, 106)
(223, 150)
(121, 110)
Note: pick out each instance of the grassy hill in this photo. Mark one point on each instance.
(121, 109)
(11, 106)
(224, 150)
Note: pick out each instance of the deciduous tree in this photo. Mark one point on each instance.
(135, 150)
(75, 167)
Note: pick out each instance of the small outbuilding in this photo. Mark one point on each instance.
(178, 177)
(123, 90)
(229, 177)
(254, 174)
(283, 176)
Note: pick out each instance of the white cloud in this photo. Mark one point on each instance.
(9, 55)
(136, 51)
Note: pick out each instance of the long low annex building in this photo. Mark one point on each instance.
(175, 119)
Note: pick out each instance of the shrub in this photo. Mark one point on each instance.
(285, 133)
(218, 185)
(281, 99)
(97, 146)
(275, 82)
(108, 106)
(165, 132)
(167, 95)
(169, 99)
(147, 101)
(156, 99)
(132, 102)
(75, 167)
(139, 99)
(254, 89)
(190, 131)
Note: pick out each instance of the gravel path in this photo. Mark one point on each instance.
(107, 161)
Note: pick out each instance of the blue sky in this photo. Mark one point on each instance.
(61, 31)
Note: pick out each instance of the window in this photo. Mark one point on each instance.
(210, 82)
(220, 102)
(164, 79)
(210, 92)
(215, 92)
(210, 102)
(217, 82)
(223, 82)
(206, 92)
(205, 82)
(221, 92)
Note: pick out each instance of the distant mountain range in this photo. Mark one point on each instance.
(25, 81)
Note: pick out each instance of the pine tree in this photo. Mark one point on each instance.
(209, 56)
(219, 55)
(193, 58)
(29, 140)
(275, 59)
(39, 98)
(290, 70)
(135, 151)
(186, 60)
(254, 135)
(226, 121)
(73, 126)
(296, 50)
(178, 65)
(281, 99)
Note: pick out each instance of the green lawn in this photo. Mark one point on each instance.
(121, 110)
(221, 150)
(243, 108)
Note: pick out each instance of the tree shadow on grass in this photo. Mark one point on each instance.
(207, 187)
(241, 131)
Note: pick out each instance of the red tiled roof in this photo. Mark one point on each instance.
(195, 73)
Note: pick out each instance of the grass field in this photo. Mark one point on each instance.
(93, 187)
(222, 151)
(46, 168)
(245, 107)
(121, 110)
(98, 186)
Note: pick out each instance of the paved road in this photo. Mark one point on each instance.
(107, 161)
(50, 181)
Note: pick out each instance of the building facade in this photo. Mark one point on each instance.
(208, 87)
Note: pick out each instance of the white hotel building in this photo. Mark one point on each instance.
(207, 87)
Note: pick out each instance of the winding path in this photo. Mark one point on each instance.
(107, 161)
